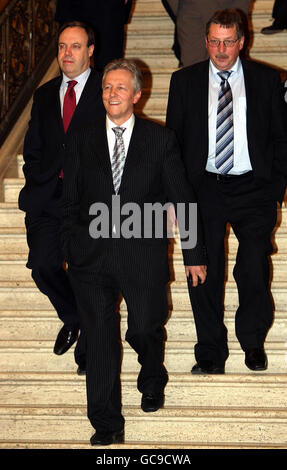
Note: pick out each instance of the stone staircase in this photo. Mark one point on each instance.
(43, 401)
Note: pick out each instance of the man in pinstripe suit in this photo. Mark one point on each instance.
(100, 267)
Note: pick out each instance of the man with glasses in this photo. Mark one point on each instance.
(230, 118)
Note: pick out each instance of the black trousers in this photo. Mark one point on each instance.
(46, 262)
(280, 11)
(147, 312)
(251, 212)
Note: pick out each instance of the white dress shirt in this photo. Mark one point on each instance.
(81, 82)
(241, 155)
(128, 125)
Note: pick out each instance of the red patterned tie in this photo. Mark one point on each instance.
(69, 107)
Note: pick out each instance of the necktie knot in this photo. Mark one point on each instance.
(224, 75)
(69, 104)
(118, 131)
(71, 84)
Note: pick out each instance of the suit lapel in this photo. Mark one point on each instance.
(55, 106)
(89, 95)
(101, 148)
(135, 151)
(252, 109)
(203, 96)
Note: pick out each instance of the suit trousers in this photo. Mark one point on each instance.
(191, 19)
(46, 262)
(98, 299)
(279, 11)
(249, 208)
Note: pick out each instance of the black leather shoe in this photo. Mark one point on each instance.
(151, 402)
(207, 367)
(256, 359)
(65, 339)
(276, 27)
(107, 438)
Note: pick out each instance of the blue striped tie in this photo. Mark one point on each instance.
(224, 126)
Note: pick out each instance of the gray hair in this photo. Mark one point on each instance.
(130, 66)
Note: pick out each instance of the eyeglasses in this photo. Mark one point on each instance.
(226, 42)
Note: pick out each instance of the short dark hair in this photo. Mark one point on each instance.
(130, 66)
(79, 24)
(228, 18)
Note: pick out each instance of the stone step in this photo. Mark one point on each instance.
(178, 328)
(13, 268)
(38, 356)
(234, 391)
(10, 215)
(151, 9)
(164, 60)
(12, 187)
(180, 298)
(49, 314)
(12, 228)
(139, 44)
(148, 9)
(14, 294)
(185, 426)
(14, 246)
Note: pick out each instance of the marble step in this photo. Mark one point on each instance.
(154, 60)
(235, 391)
(11, 217)
(13, 268)
(179, 327)
(145, 10)
(139, 43)
(185, 426)
(13, 294)
(14, 241)
(38, 356)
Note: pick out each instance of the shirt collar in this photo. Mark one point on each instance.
(80, 78)
(128, 124)
(234, 69)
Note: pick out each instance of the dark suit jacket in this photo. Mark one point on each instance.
(153, 173)
(187, 114)
(45, 140)
(280, 11)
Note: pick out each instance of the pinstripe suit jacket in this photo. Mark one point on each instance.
(153, 173)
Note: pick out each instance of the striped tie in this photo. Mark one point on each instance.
(224, 126)
(118, 159)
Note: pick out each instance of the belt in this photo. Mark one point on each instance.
(220, 177)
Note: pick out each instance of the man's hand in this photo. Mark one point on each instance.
(197, 274)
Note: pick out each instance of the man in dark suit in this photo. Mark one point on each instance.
(44, 146)
(121, 167)
(232, 132)
(106, 17)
